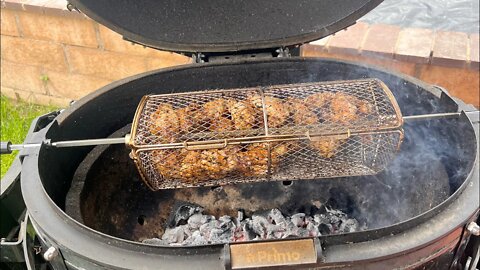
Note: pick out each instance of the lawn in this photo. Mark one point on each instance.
(16, 117)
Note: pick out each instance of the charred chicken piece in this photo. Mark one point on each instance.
(364, 107)
(318, 100)
(243, 114)
(221, 124)
(191, 170)
(216, 108)
(254, 161)
(327, 147)
(217, 163)
(166, 162)
(277, 110)
(343, 108)
(189, 117)
(301, 114)
(164, 123)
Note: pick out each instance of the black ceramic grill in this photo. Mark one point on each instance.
(91, 208)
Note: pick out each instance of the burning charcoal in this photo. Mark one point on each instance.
(275, 231)
(184, 212)
(249, 232)
(206, 219)
(277, 217)
(195, 239)
(239, 235)
(312, 230)
(195, 221)
(218, 236)
(321, 219)
(205, 229)
(303, 232)
(194, 228)
(259, 225)
(325, 229)
(291, 229)
(174, 235)
(350, 225)
(225, 219)
(240, 215)
(298, 219)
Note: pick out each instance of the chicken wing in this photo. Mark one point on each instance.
(164, 123)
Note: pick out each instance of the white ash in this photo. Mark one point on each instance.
(201, 229)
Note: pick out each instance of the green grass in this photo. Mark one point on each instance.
(16, 117)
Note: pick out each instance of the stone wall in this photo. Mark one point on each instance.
(50, 55)
(447, 59)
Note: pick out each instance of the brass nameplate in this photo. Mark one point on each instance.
(251, 255)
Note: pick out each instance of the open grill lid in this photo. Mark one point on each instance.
(224, 25)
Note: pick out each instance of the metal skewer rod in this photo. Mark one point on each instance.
(8, 147)
(436, 115)
(89, 142)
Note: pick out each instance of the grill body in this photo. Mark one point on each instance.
(430, 238)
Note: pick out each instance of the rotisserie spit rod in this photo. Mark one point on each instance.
(8, 147)
(300, 131)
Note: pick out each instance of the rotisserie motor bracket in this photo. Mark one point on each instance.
(282, 132)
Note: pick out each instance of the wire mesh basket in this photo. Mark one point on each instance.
(281, 132)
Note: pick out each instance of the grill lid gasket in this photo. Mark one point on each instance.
(185, 26)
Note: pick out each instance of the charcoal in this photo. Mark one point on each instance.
(195, 228)
(240, 215)
(259, 225)
(298, 219)
(276, 216)
(249, 232)
(206, 219)
(195, 239)
(325, 229)
(312, 230)
(195, 221)
(174, 235)
(184, 212)
(350, 225)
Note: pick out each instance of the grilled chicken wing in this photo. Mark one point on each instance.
(190, 117)
(343, 109)
(243, 114)
(164, 123)
(301, 114)
(277, 110)
(318, 100)
(327, 148)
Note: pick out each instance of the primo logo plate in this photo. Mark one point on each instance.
(252, 255)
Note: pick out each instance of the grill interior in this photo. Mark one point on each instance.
(433, 162)
(108, 175)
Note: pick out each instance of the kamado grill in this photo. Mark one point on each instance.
(206, 181)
